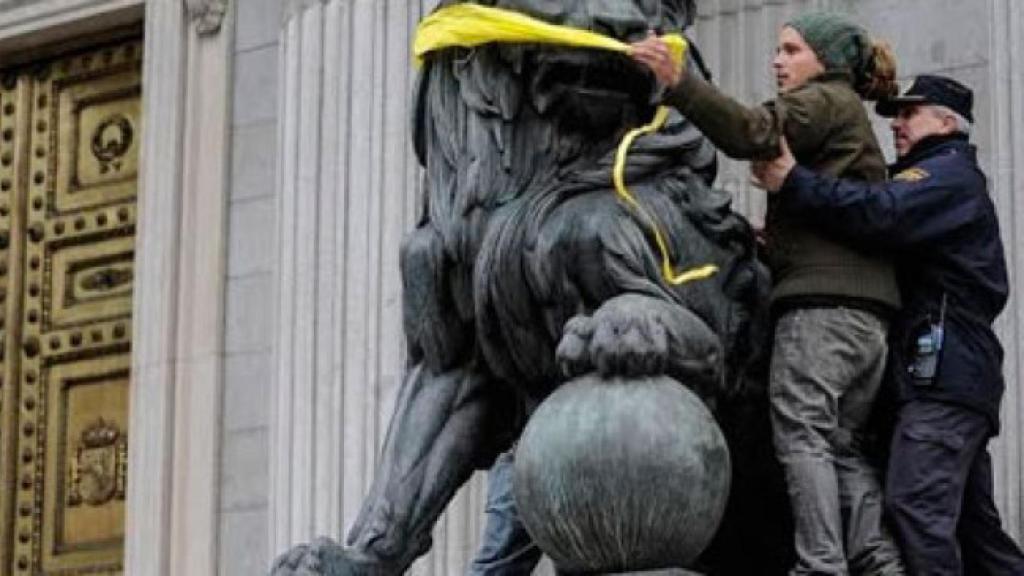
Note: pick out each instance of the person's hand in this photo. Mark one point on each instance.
(771, 174)
(656, 55)
(761, 237)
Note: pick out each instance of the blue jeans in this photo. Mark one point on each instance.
(506, 549)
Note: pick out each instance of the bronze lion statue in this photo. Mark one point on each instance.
(526, 270)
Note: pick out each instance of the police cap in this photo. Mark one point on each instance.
(931, 89)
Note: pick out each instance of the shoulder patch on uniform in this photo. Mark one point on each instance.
(912, 175)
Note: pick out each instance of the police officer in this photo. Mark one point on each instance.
(935, 216)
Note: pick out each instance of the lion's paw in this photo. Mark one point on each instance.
(323, 557)
(615, 341)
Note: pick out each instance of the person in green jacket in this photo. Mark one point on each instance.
(831, 303)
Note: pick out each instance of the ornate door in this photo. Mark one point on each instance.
(69, 142)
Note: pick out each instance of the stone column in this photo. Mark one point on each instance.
(1006, 174)
(347, 190)
(177, 353)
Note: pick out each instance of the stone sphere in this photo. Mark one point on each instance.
(622, 474)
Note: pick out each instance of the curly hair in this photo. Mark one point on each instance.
(878, 80)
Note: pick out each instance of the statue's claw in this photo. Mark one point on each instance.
(323, 557)
(301, 560)
(572, 354)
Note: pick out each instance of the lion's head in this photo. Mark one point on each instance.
(498, 121)
(593, 92)
(597, 92)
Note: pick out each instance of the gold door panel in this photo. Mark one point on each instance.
(85, 485)
(98, 128)
(69, 138)
(91, 282)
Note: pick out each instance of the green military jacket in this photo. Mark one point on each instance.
(828, 130)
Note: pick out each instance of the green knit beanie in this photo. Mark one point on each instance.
(839, 43)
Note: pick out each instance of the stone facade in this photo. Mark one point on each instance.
(267, 311)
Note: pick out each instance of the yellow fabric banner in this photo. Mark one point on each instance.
(468, 25)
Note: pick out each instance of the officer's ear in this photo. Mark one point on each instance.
(951, 124)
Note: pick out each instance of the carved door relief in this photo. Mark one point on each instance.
(69, 141)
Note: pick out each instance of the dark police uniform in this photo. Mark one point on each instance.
(936, 218)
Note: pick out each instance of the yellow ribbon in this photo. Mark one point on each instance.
(468, 25)
(619, 177)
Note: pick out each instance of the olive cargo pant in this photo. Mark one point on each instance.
(827, 366)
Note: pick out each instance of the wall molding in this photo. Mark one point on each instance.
(179, 303)
(27, 26)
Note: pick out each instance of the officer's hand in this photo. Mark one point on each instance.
(771, 174)
(656, 55)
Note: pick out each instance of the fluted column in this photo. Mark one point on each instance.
(1007, 178)
(347, 192)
